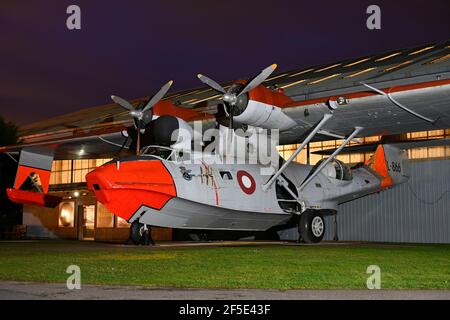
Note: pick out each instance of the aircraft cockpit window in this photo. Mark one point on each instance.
(336, 170)
(166, 153)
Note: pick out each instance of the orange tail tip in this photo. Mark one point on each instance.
(378, 164)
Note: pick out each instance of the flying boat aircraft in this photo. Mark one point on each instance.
(161, 176)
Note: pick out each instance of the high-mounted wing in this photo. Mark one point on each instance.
(417, 78)
(395, 92)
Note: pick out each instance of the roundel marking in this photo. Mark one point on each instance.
(246, 182)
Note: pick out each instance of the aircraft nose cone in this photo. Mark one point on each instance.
(126, 186)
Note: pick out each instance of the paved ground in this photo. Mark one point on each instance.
(37, 291)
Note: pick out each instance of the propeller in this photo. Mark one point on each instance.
(230, 97)
(142, 112)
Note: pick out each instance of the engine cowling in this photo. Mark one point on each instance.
(168, 131)
(260, 108)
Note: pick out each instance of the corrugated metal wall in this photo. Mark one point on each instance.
(417, 211)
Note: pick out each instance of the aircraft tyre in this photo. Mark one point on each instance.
(311, 226)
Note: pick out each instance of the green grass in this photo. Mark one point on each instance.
(266, 266)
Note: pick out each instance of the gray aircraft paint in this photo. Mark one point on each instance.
(211, 202)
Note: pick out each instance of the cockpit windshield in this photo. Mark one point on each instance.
(336, 169)
(165, 153)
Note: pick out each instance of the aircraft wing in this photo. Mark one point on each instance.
(92, 145)
(395, 92)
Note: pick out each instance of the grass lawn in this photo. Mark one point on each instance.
(266, 266)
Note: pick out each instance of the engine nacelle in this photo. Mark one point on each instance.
(168, 131)
(260, 108)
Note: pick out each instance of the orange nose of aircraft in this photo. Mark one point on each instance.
(124, 186)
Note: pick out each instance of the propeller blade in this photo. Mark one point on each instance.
(256, 81)
(158, 96)
(122, 102)
(211, 83)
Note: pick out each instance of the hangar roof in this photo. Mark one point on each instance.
(298, 84)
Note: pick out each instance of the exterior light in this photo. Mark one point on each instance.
(66, 214)
(341, 101)
(76, 194)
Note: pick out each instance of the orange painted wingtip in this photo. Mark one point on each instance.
(33, 198)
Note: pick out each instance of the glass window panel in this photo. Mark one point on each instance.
(287, 154)
(436, 133)
(65, 177)
(77, 176)
(122, 223)
(92, 163)
(76, 164)
(356, 158)
(314, 158)
(418, 153)
(66, 165)
(84, 172)
(105, 219)
(57, 177)
(331, 143)
(436, 152)
(421, 134)
(301, 158)
(344, 158)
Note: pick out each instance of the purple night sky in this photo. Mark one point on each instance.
(131, 48)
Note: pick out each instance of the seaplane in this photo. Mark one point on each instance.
(206, 159)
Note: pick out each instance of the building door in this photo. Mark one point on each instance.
(86, 222)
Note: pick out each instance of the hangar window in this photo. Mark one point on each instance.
(122, 223)
(73, 171)
(354, 158)
(105, 219)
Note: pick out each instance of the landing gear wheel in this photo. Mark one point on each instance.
(311, 226)
(137, 231)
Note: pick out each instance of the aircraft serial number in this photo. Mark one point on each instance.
(395, 167)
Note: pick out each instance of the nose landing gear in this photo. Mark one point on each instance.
(141, 234)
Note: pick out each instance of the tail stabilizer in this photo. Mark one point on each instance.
(389, 162)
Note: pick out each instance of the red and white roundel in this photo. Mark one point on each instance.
(246, 182)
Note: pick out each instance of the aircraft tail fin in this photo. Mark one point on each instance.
(389, 162)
